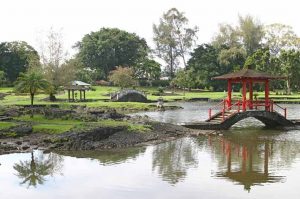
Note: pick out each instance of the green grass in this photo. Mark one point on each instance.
(52, 128)
(6, 125)
(42, 119)
(57, 126)
(100, 98)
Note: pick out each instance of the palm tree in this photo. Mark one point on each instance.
(31, 82)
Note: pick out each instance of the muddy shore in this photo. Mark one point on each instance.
(99, 138)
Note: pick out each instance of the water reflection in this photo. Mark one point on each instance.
(172, 159)
(252, 157)
(34, 171)
(108, 157)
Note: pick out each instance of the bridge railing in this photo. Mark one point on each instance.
(283, 111)
(217, 108)
(236, 107)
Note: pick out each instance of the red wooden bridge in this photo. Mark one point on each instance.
(228, 111)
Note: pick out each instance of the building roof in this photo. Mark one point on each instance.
(248, 74)
(79, 83)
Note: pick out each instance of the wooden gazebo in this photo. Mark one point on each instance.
(77, 86)
(248, 77)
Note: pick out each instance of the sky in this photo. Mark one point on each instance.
(29, 20)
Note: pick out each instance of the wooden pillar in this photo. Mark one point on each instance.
(69, 95)
(244, 94)
(250, 94)
(267, 104)
(73, 98)
(84, 95)
(80, 94)
(229, 89)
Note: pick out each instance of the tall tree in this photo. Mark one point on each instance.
(111, 47)
(238, 42)
(173, 38)
(205, 65)
(53, 56)
(280, 37)
(290, 65)
(14, 58)
(251, 33)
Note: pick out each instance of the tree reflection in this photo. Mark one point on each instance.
(173, 159)
(245, 158)
(33, 172)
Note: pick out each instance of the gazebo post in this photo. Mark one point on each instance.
(267, 104)
(69, 94)
(73, 98)
(251, 94)
(229, 88)
(80, 94)
(84, 95)
(244, 93)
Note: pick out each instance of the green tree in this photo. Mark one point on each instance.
(173, 39)
(148, 69)
(280, 37)
(123, 77)
(31, 82)
(236, 43)
(251, 33)
(2, 78)
(111, 47)
(205, 65)
(260, 60)
(14, 58)
(184, 79)
(290, 65)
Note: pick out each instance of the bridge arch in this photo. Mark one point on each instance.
(129, 95)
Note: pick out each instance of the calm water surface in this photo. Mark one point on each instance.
(247, 162)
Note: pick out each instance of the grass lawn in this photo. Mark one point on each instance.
(6, 125)
(100, 98)
(56, 126)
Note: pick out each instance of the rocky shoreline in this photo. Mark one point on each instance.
(92, 138)
(99, 138)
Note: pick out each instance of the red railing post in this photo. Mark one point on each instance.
(238, 106)
(209, 113)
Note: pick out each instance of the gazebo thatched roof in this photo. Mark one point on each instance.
(248, 74)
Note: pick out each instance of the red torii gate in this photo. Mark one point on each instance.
(248, 77)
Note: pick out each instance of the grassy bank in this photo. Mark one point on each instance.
(100, 97)
(41, 124)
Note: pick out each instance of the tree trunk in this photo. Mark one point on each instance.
(31, 99)
(171, 64)
(288, 86)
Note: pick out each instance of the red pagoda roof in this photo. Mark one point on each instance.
(248, 74)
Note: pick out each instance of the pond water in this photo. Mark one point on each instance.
(250, 162)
